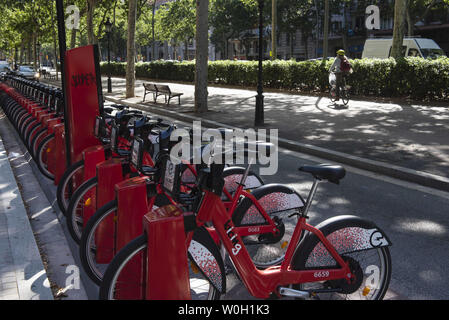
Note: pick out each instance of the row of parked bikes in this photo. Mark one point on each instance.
(233, 221)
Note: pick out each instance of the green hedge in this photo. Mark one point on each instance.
(412, 77)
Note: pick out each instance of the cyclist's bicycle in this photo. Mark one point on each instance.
(343, 257)
(342, 90)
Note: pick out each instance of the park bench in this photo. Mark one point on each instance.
(161, 90)
(150, 87)
(165, 90)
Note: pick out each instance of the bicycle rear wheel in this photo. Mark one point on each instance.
(371, 267)
(333, 93)
(114, 286)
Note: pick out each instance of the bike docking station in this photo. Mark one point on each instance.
(109, 173)
(167, 273)
(84, 102)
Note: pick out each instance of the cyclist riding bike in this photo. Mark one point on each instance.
(341, 68)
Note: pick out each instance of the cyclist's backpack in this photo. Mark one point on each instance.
(345, 66)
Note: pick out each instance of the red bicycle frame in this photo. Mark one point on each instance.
(261, 283)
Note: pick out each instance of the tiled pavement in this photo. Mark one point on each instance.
(8, 280)
(22, 274)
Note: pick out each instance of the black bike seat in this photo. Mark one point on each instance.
(332, 173)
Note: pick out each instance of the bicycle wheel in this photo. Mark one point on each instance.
(95, 255)
(36, 141)
(97, 239)
(30, 133)
(114, 285)
(345, 96)
(83, 199)
(42, 157)
(333, 93)
(67, 182)
(280, 203)
(371, 267)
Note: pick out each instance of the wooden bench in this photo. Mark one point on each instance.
(150, 87)
(165, 90)
(160, 90)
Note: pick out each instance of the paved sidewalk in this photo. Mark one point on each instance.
(406, 140)
(22, 274)
(48, 228)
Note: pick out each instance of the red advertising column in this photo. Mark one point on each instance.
(84, 98)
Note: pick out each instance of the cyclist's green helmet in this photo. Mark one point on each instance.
(341, 52)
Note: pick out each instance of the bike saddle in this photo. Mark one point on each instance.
(119, 106)
(123, 153)
(140, 122)
(332, 173)
(167, 133)
(149, 171)
(108, 110)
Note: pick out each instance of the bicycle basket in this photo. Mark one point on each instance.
(137, 153)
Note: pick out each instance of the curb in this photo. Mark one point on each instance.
(401, 173)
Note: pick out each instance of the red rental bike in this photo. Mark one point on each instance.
(344, 257)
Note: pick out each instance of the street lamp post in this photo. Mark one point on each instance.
(38, 45)
(259, 119)
(108, 26)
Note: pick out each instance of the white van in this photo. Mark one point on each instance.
(412, 47)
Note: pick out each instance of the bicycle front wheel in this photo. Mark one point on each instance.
(114, 286)
(82, 201)
(66, 182)
(280, 204)
(333, 93)
(97, 253)
(345, 96)
(42, 157)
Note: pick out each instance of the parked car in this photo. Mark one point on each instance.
(412, 47)
(28, 73)
(4, 69)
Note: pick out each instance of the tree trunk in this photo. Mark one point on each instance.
(273, 29)
(55, 46)
(398, 28)
(345, 31)
(89, 21)
(202, 43)
(72, 38)
(290, 35)
(326, 30)
(22, 51)
(131, 51)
